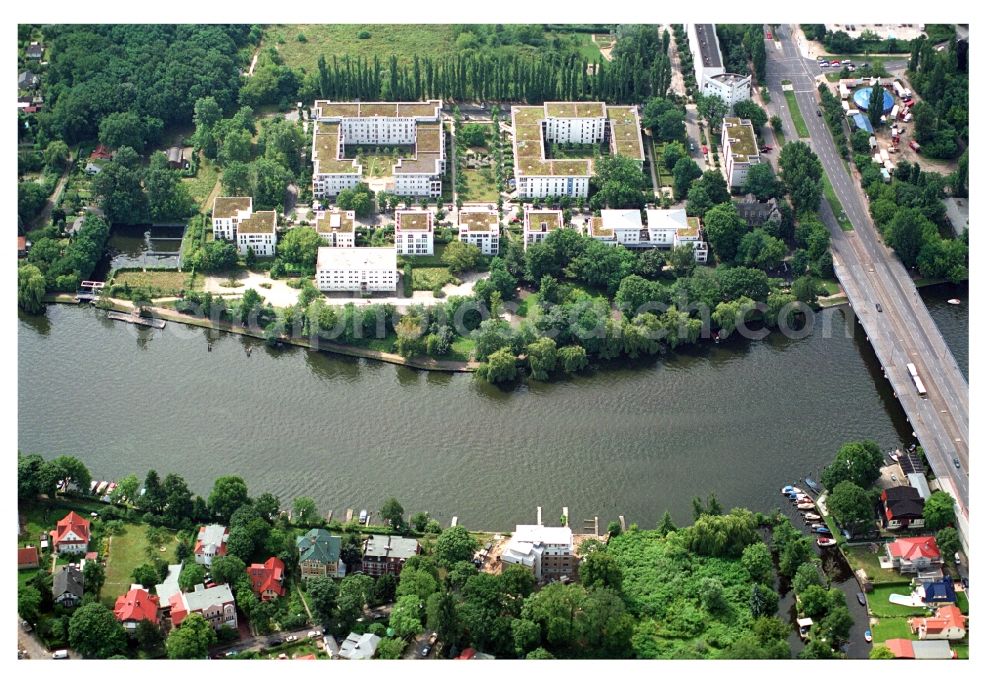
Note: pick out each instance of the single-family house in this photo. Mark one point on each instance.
(27, 558)
(136, 606)
(169, 587)
(266, 578)
(101, 152)
(903, 648)
(902, 507)
(319, 555)
(757, 213)
(359, 646)
(387, 554)
(910, 555)
(27, 80)
(473, 654)
(34, 51)
(937, 593)
(947, 623)
(211, 542)
(215, 603)
(179, 158)
(72, 534)
(67, 586)
(23, 246)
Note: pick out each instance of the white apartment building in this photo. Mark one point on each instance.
(414, 232)
(480, 226)
(709, 70)
(692, 235)
(599, 231)
(356, 269)
(538, 223)
(336, 228)
(546, 550)
(259, 233)
(664, 224)
(626, 224)
(536, 175)
(226, 213)
(739, 150)
(338, 124)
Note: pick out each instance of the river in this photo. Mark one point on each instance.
(740, 420)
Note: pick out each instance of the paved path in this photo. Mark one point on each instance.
(870, 273)
(46, 213)
(259, 642)
(676, 73)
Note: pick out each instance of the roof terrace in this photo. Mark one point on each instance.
(479, 220)
(741, 139)
(260, 222)
(575, 109)
(229, 207)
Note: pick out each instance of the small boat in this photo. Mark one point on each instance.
(795, 496)
(821, 530)
(805, 506)
(954, 301)
(101, 487)
(803, 498)
(868, 635)
(810, 516)
(825, 542)
(791, 489)
(93, 485)
(812, 484)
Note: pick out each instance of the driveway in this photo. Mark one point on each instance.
(262, 641)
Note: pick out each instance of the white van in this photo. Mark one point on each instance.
(60, 655)
(363, 517)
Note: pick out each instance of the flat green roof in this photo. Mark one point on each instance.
(259, 222)
(228, 207)
(577, 109)
(414, 220)
(549, 218)
(478, 220)
(742, 142)
(598, 229)
(336, 221)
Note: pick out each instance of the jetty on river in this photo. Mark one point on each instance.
(135, 318)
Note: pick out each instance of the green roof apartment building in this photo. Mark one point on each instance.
(739, 150)
(416, 124)
(586, 122)
(319, 555)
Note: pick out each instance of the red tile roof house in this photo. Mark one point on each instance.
(101, 153)
(135, 606)
(27, 557)
(947, 623)
(212, 541)
(72, 534)
(910, 555)
(903, 648)
(266, 578)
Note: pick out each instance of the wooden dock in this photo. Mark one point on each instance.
(151, 322)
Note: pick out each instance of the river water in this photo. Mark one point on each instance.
(740, 420)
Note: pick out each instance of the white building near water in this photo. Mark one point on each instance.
(258, 233)
(227, 212)
(356, 269)
(546, 550)
(710, 71)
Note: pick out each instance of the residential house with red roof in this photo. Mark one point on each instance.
(903, 648)
(27, 558)
(135, 606)
(947, 623)
(911, 555)
(101, 152)
(72, 534)
(266, 578)
(211, 542)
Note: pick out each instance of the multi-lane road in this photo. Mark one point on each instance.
(903, 331)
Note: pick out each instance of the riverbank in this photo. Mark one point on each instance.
(422, 363)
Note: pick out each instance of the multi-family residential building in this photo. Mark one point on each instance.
(72, 534)
(67, 586)
(356, 269)
(536, 175)
(709, 70)
(757, 213)
(480, 226)
(414, 232)
(227, 212)
(387, 554)
(336, 228)
(211, 542)
(692, 236)
(663, 226)
(599, 231)
(319, 555)
(381, 124)
(266, 578)
(538, 223)
(546, 550)
(216, 604)
(135, 606)
(626, 224)
(739, 150)
(359, 646)
(258, 233)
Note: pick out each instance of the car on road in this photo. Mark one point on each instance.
(60, 655)
(425, 651)
(704, 150)
(878, 306)
(957, 464)
(819, 113)
(290, 639)
(693, 149)
(274, 642)
(230, 653)
(835, 64)
(314, 633)
(769, 35)
(861, 599)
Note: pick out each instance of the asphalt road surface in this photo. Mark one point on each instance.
(904, 331)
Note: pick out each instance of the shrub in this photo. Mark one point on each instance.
(364, 35)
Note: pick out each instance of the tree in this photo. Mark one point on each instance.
(805, 289)
(393, 515)
(671, 153)
(792, 555)
(119, 189)
(385, 588)
(323, 592)
(539, 654)
(30, 289)
(29, 601)
(191, 574)
(460, 256)
(857, 461)
(96, 633)
(686, 171)
(127, 129)
(148, 636)
(712, 108)
(738, 282)
(876, 105)
(763, 601)
(724, 229)
(908, 233)
(806, 576)
(664, 119)
(228, 494)
(127, 490)
(762, 182)
(948, 542)
(939, 510)
(526, 635)
(406, 617)
(453, 545)
(542, 357)
(814, 601)
(442, 617)
(298, 246)
(68, 467)
(925, 121)
(836, 626)
(304, 511)
(748, 110)
(56, 154)
(93, 577)
(146, 575)
(636, 294)
(228, 569)
(500, 366)
(880, 652)
(760, 250)
(757, 560)
(666, 524)
(419, 521)
(601, 569)
(850, 505)
(190, 641)
(801, 173)
(390, 649)
(168, 197)
(270, 185)
(237, 179)
(620, 183)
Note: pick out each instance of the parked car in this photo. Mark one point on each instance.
(60, 655)
(292, 638)
(314, 633)
(425, 651)
(704, 150)
(363, 517)
(434, 637)
(274, 642)
(819, 113)
(230, 653)
(878, 306)
(861, 599)
(769, 35)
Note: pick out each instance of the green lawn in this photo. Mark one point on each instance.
(890, 627)
(461, 349)
(200, 185)
(838, 210)
(878, 602)
(163, 282)
(126, 553)
(481, 185)
(427, 279)
(797, 119)
(530, 301)
(861, 557)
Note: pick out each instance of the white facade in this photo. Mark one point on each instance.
(258, 233)
(625, 223)
(575, 130)
(546, 550)
(739, 150)
(663, 225)
(543, 186)
(356, 269)
(729, 87)
(539, 223)
(414, 233)
(215, 604)
(480, 227)
(709, 69)
(227, 212)
(336, 228)
(210, 543)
